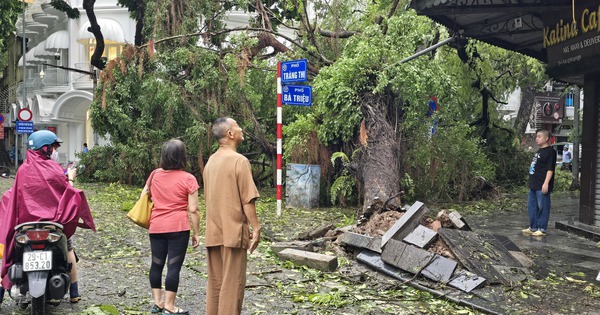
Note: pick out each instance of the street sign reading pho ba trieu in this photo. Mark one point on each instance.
(297, 95)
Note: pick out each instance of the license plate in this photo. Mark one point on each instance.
(37, 261)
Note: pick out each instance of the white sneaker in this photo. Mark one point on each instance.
(538, 233)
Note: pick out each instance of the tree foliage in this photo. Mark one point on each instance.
(10, 11)
(194, 69)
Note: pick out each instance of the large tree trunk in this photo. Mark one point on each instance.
(379, 161)
(527, 97)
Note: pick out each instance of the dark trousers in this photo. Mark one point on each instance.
(172, 246)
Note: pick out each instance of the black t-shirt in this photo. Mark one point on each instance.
(543, 161)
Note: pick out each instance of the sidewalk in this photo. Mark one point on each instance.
(558, 252)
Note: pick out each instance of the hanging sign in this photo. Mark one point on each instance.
(1, 131)
(573, 45)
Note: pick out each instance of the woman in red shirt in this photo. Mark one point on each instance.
(175, 195)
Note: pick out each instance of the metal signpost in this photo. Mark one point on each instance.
(289, 72)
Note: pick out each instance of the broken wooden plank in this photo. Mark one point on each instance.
(522, 258)
(479, 254)
(512, 248)
(361, 241)
(310, 259)
(421, 237)
(406, 224)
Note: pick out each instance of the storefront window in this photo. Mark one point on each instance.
(111, 49)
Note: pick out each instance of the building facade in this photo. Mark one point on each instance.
(58, 98)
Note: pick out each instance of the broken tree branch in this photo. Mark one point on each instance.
(338, 34)
(96, 59)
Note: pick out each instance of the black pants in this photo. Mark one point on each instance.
(172, 245)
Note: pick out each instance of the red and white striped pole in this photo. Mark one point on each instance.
(279, 139)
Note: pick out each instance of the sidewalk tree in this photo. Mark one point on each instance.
(193, 68)
(10, 11)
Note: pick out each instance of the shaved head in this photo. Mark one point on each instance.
(220, 127)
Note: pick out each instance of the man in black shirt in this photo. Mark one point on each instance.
(541, 182)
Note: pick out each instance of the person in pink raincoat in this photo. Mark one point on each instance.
(42, 192)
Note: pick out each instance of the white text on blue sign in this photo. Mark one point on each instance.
(294, 71)
(297, 95)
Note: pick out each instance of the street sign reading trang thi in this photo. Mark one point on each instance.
(294, 71)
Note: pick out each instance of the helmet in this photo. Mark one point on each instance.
(41, 138)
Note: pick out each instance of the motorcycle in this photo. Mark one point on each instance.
(40, 270)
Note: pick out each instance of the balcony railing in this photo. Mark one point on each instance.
(82, 80)
(32, 84)
(55, 77)
(82, 77)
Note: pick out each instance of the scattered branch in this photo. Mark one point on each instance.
(339, 34)
(270, 41)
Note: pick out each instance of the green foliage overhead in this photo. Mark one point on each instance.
(179, 89)
(10, 10)
(64, 6)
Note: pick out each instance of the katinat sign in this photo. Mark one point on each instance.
(572, 39)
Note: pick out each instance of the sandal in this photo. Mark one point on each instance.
(156, 309)
(177, 311)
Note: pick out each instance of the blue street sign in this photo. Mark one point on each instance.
(297, 95)
(24, 126)
(294, 71)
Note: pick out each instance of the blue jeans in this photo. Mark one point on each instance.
(538, 209)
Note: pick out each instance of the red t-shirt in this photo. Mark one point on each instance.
(170, 190)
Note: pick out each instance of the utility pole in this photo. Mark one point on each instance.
(575, 134)
(24, 89)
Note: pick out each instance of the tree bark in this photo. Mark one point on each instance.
(379, 161)
(96, 59)
(140, 10)
(527, 96)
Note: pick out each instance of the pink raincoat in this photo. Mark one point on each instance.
(41, 192)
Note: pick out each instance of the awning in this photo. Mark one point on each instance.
(31, 59)
(514, 25)
(550, 31)
(58, 40)
(111, 30)
(40, 51)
